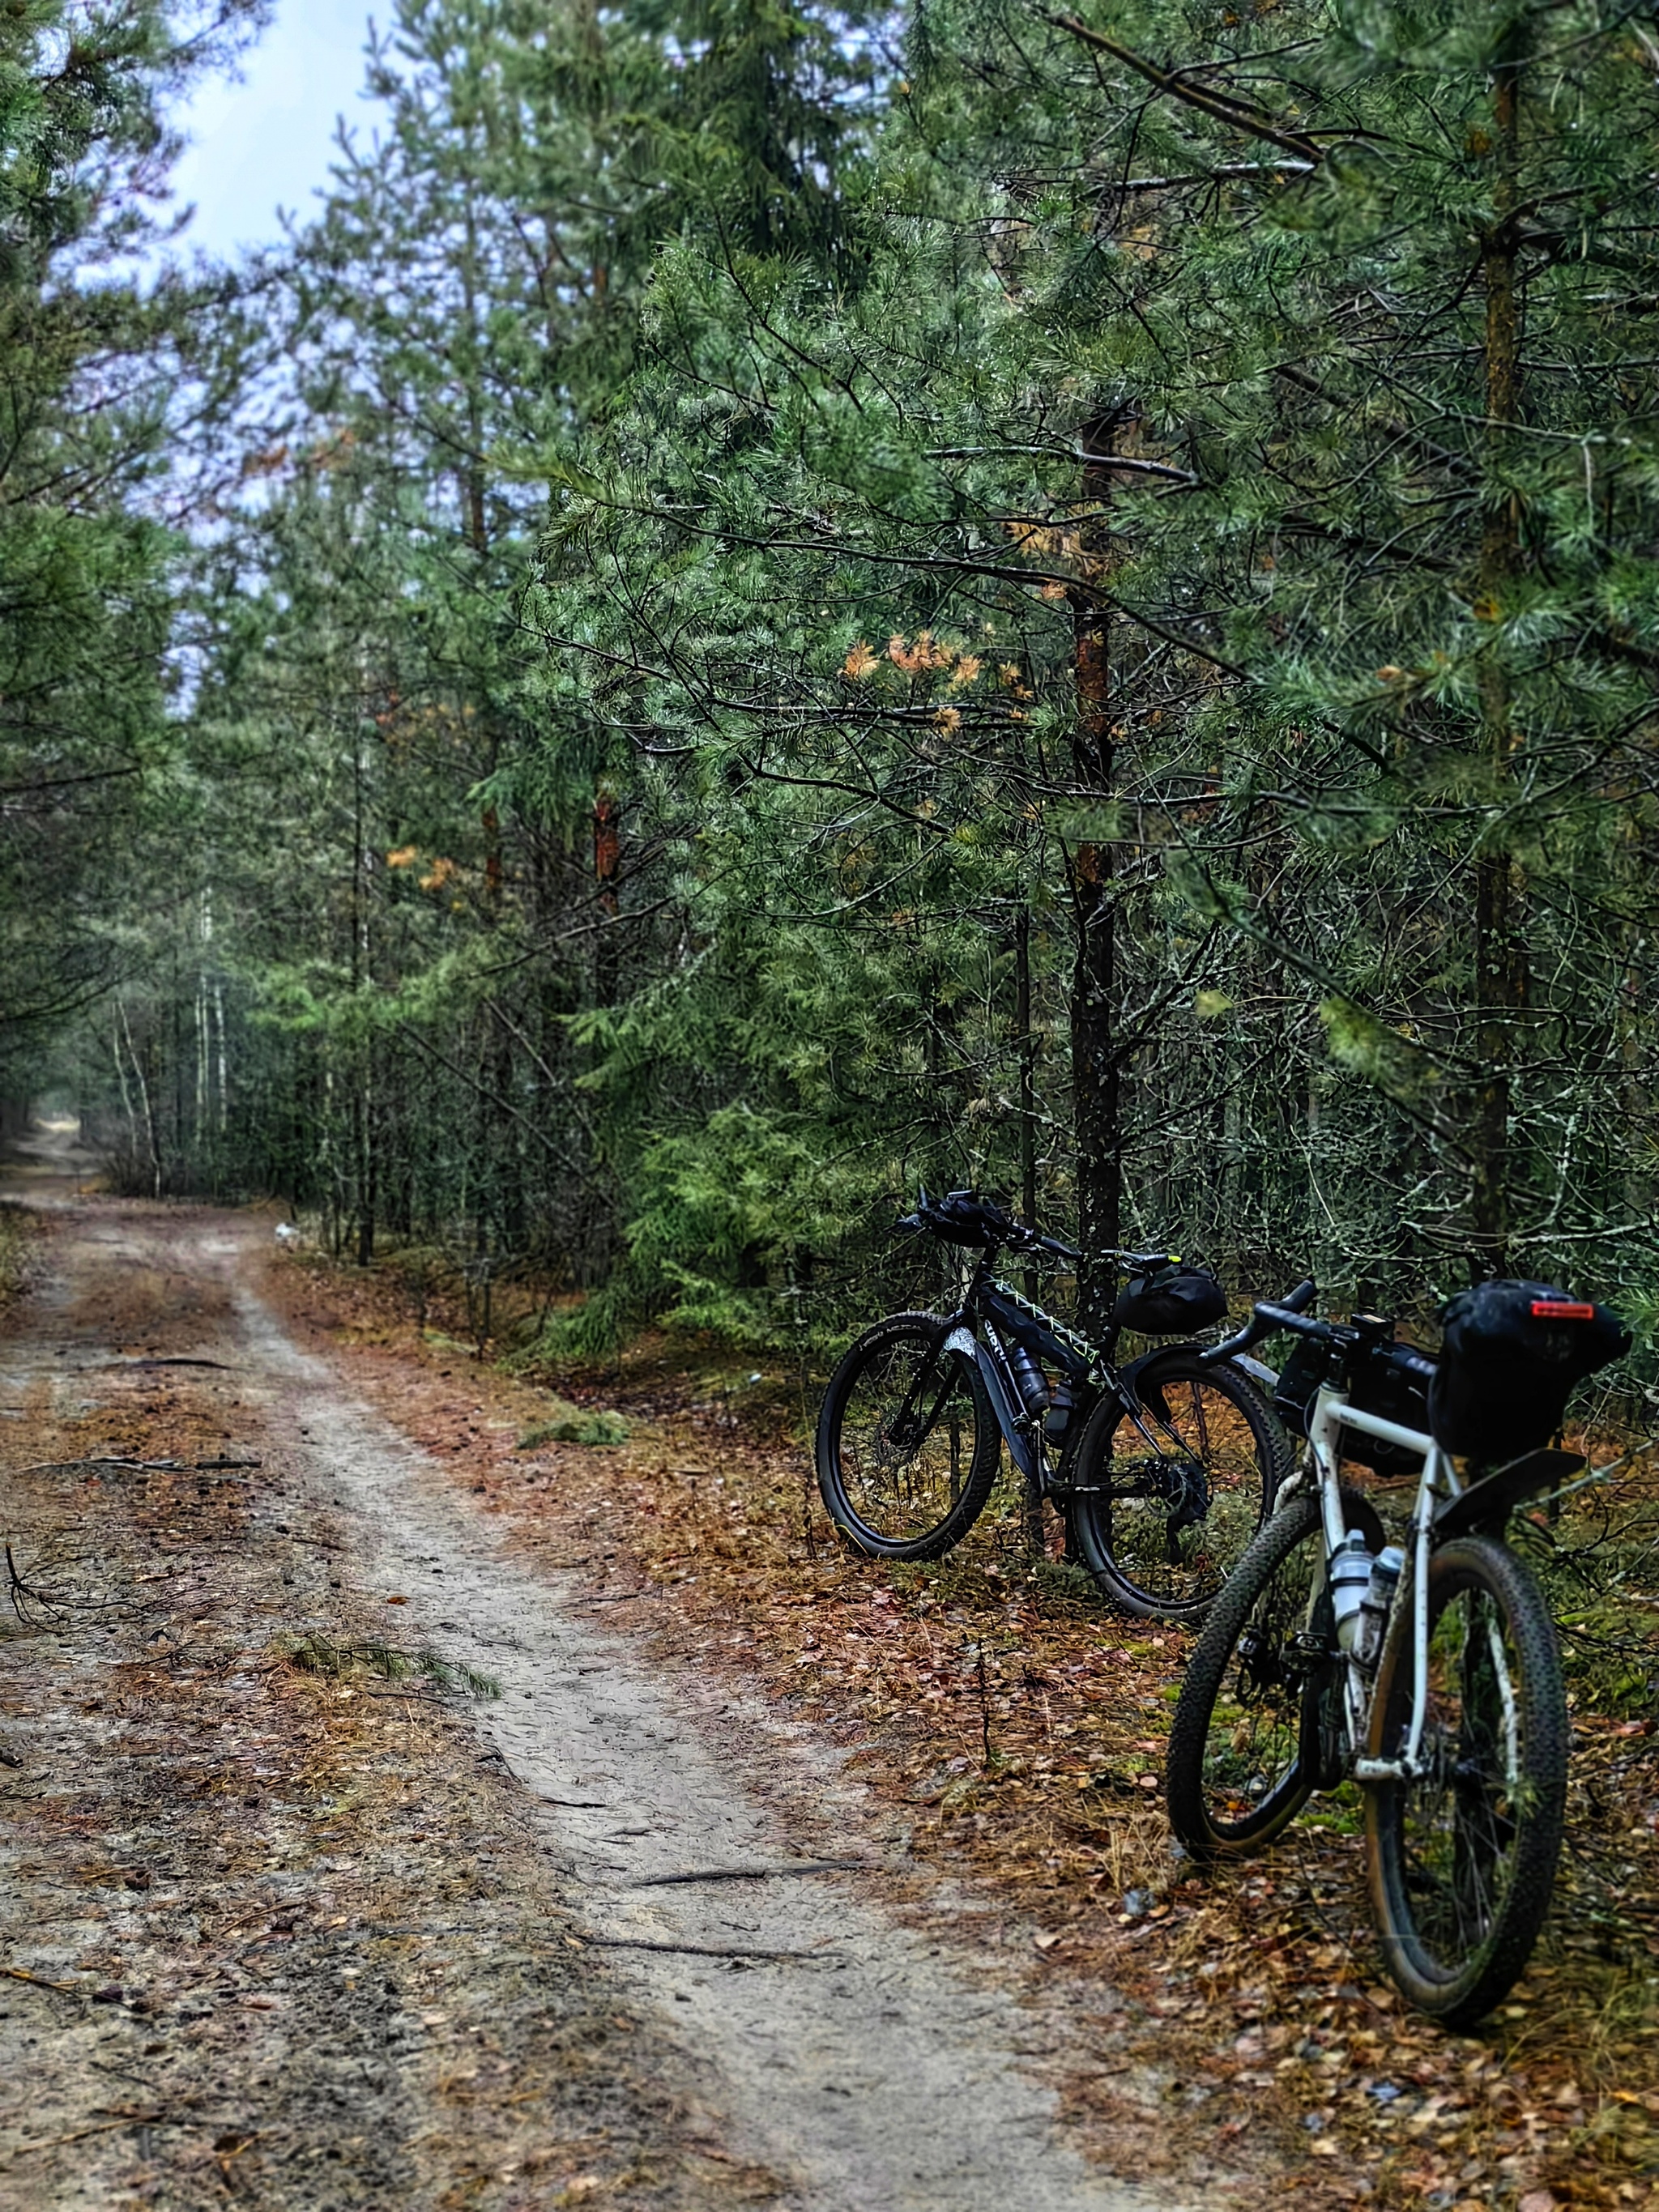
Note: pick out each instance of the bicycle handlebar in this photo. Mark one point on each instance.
(961, 1217)
(1266, 1319)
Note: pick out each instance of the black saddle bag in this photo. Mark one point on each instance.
(1169, 1301)
(1511, 1354)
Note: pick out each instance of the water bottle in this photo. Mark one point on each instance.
(1058, 1418)
(1378, 1603)
(1028, 1381)
(1349, 1576)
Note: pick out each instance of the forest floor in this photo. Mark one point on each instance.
(286, 1924)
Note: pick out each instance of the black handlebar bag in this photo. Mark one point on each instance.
(1393, 1381)
(1510, 1353)
(1169, 1301)
(962, 1217)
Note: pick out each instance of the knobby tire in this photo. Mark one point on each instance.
(908, 1445)
(1463, 1859)
(1252, 1735)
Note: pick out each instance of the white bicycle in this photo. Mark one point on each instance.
(1431, 1675)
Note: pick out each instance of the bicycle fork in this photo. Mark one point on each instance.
(1010, 1416)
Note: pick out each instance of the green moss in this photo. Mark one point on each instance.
(574, 1425)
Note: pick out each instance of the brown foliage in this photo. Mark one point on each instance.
(1017, 1726)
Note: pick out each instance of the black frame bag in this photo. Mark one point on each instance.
(1169, 1301)
(1509, 1356)
(1385, 1377)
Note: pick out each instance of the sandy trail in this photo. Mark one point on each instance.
(824, 2055)
(861, 2059)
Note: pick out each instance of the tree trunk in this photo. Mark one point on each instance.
(365, 1166)
(1502, 985)
(607, 868)
(1095, 1083)
(1026, 1044)
(145, 1099)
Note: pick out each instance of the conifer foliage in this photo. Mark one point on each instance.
(90, 426)
(825, 597)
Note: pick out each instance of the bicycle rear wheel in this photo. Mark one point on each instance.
(1164, 1506)
(1258, 1726)
(907, 1445)
(1463, 1858)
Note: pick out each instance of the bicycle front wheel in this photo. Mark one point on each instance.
(907, 1445)
(1259, 1724)
(1462, 1857)
(1164, 1503)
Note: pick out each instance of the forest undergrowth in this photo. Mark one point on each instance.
(1020, 1726)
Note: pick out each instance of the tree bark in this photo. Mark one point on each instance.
(145, 1099)
(1090, 870)
(607, 869)
(1026, 1044)
(1501, 984)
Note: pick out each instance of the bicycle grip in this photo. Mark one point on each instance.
(1270, 1318)
(1299, 1299)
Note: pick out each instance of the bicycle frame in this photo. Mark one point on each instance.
(1437, 1480)
(972, 1332)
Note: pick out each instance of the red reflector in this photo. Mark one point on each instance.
(1561, 1310)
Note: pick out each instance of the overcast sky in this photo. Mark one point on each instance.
(265, 142)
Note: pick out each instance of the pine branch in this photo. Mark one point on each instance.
(1221, 107)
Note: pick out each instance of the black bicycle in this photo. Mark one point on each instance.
(1163, 1469)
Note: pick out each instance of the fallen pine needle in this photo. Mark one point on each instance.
(80, 2135)
(39, 1981)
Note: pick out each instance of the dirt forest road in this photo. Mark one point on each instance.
(310, 1940)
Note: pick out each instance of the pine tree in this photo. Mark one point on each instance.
(87, 416)
(1377, 303)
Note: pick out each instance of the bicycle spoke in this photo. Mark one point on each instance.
(906, 1453)
(1183, 1490)
(1259, 1719)
(1463, 1853)
(1455, 1834)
